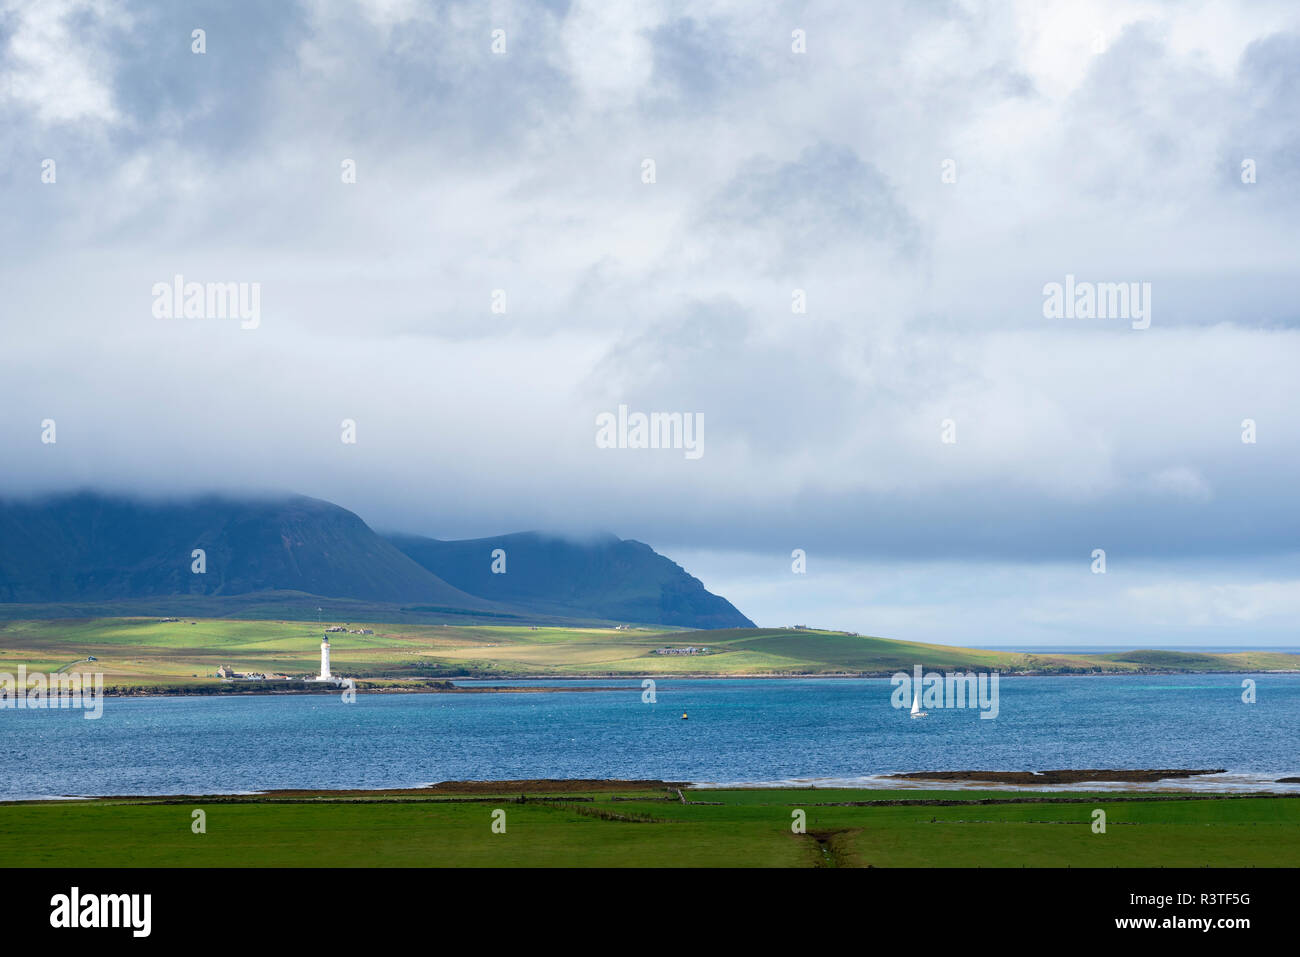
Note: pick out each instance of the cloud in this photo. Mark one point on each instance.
(1220, 605)
(778, 175)
(1182, 482)
(57, 67)
(997, 604)
(826, 203)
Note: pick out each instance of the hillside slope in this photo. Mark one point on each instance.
(157, 654)
(604, 577)
(89, 547)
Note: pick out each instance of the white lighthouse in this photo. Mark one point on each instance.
(325, 658)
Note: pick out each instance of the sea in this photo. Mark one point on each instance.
(831, 732)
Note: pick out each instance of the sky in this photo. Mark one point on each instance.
(562, 208)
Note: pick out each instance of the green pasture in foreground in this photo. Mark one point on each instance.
(144, 652)
(749, 828)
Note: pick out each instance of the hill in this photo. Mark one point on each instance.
(92, 555)
(603, 577)
(89, 547)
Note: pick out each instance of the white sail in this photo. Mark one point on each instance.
(916, 703)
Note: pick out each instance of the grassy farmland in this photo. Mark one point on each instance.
(149, 653)
(648, 826)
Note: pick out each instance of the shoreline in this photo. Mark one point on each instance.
(256, 689)
(500, 685)
(1189, 783)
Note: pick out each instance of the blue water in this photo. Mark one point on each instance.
(738, 731)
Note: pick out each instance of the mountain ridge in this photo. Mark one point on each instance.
(87, 548)
(599, 576)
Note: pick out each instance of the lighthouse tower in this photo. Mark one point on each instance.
(325, 658)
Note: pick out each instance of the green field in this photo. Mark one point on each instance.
(148, 653)
(651, 827)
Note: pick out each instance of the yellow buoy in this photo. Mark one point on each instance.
(684, 718)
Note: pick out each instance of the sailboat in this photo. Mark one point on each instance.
(916, 706)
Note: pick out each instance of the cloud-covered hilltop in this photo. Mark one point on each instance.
(597, 577)
(91, 548)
